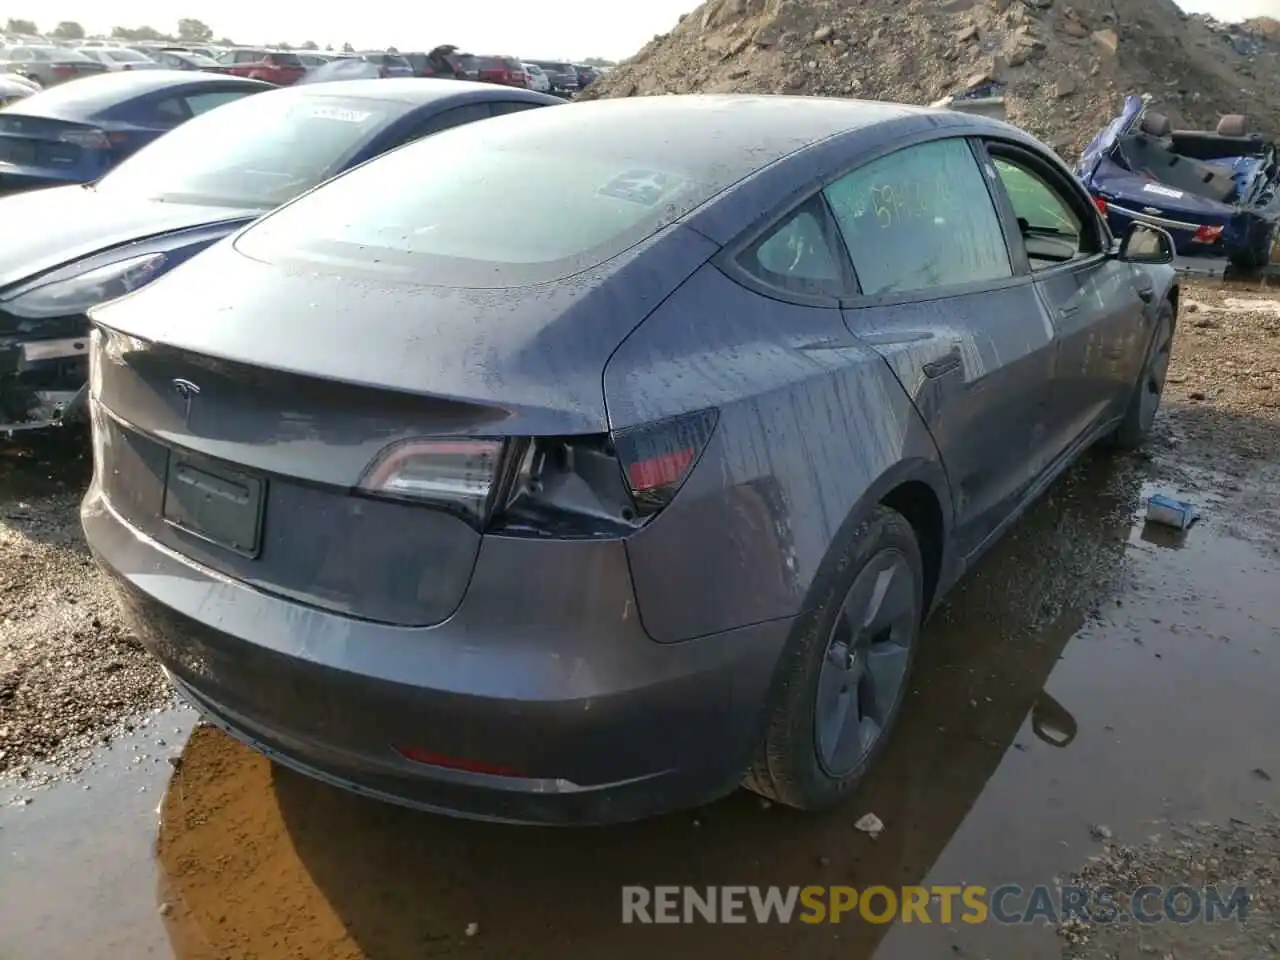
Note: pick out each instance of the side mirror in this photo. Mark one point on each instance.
(1144, 243)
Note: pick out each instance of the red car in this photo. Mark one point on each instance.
(274, 66)
(507, 71)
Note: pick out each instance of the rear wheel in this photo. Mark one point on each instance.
(845, 671)
(1145, 402)
(1258, 259)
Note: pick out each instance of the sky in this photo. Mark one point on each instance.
(569, 29)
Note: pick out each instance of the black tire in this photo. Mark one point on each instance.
(1147, 391)
(790, 765)
(1253, 261)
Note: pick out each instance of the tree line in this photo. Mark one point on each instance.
(190, 30)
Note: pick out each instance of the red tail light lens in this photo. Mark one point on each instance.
(658, 457)
(1101, 205)
(418, 755)
(460, 474)
(1207, 234)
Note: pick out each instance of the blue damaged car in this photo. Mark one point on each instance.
(1215, 192)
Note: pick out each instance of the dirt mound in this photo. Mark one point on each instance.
(1062, 67)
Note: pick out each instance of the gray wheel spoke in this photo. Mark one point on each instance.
(886, 669)
(864, 667)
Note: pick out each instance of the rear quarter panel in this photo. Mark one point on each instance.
(813, 429)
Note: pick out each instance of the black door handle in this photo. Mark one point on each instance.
(942, 366)
(1145, 290)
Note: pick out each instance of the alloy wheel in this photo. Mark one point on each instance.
(864, 669)
(1154, 376)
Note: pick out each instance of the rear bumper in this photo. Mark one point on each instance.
(541, 700)
(1245, 233)
(15, 179)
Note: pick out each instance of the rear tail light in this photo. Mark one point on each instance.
(461, 474)
(656, 458)
(1101, 205)
(588, 485)
(1207, 234)
(86, 139)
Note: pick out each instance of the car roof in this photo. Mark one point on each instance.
(766, 127)
(136, 82)
(89, 96)
(417, 90)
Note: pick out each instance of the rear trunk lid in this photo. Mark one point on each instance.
(529, 360)
(71, 69)
(50, 143)
(277, 388)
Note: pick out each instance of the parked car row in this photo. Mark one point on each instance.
(51, 63)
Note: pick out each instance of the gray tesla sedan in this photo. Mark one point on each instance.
(582, 464)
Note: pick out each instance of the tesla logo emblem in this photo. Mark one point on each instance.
(188, 392)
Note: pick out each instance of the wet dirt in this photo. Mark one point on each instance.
(71, 674)
(1092, 671)
(77, 873)
(1084, 675)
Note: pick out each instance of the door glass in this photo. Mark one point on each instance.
(203, 102)
(920, 218)
(171, 110)
(1050, 229)
(797, 255)
(511, 106)
(456, 117)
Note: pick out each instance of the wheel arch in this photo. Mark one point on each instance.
(917, 488)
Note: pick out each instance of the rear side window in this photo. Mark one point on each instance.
(169, 110)
(919, 219)
(285, 60)
(199, 103)
(800, 255)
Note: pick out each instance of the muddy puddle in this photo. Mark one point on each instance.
(1092, 671)
(77, 866)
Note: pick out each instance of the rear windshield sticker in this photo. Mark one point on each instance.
(645, 187)
(343, 114)
(1163, 191)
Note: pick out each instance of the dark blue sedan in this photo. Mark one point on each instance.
(76, 132)
(69, 248)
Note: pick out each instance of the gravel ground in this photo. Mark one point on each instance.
(71, 675)
(1200, 855)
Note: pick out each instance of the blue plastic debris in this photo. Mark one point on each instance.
(1170, 512)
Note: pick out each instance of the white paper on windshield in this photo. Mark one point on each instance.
(1163, 191)
(342, 114)
(645, 187)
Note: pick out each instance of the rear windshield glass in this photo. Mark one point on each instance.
(285, 59)
(127, 56)
(514, 200)
(256, 152)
